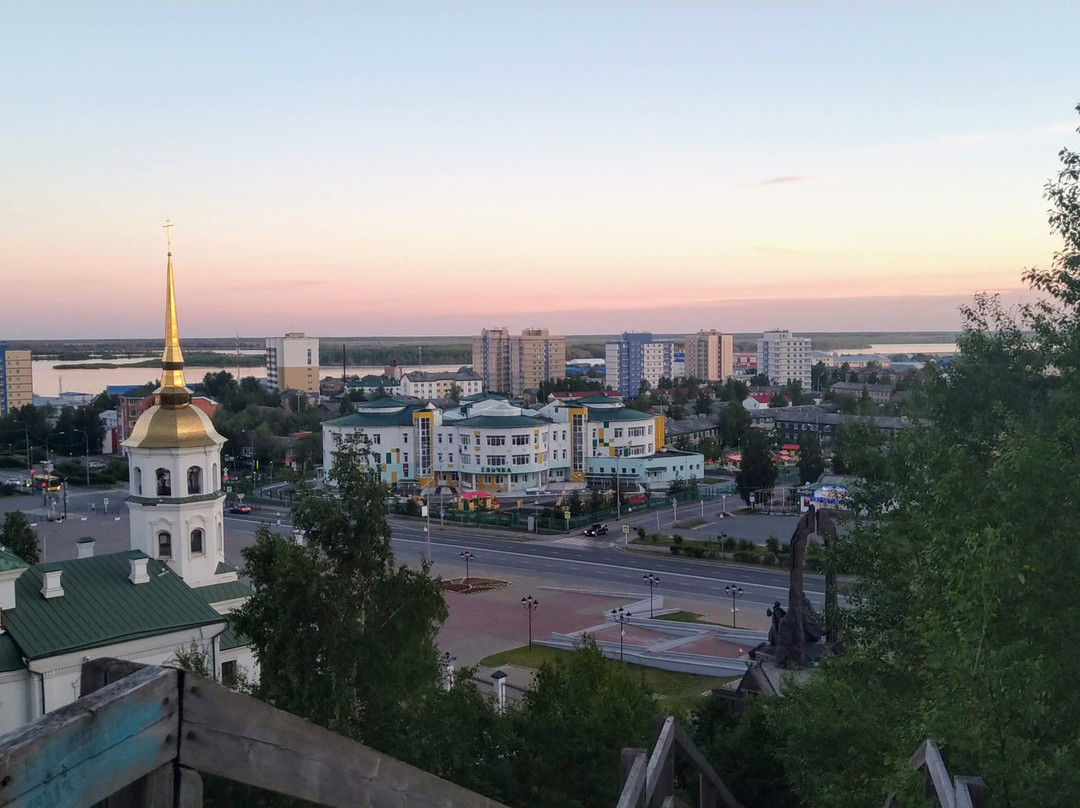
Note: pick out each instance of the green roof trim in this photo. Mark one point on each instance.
(223, 567)
(599, 398)
(232, 638)
(619, 414)
(11, 658)
(215, 593)
(367, 418)
(101, 606)
(10, 561)
(502, 422)
(175, 500)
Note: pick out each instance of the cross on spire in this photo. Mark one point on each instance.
(168, 233)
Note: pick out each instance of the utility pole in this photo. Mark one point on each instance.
(344, 373)
(622, 617)
(87, 438)
(530, 603)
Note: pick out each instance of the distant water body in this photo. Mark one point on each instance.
(47, 379)
(890, 348)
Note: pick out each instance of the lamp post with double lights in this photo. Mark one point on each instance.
(622, 617)
(653, 581)
(530, 603)
(735, 592)
(466, 557)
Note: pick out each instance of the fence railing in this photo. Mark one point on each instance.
(958, 792)
(649, 780)
(143, 734)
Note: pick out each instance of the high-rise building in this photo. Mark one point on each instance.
(292, 362)
(783, 358)
(637, 357)
(535, 357)
(16, 379)
(709, 355)
(491, 359)
(514, 364)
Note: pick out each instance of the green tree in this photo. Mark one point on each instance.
(857, 448)
(811, 461)
(756, 469)
(818, 373)
(343, 638)
(455, 392)
(19, 537)
(778, 400)
(703, 404)
(734, 423)
(963, 619)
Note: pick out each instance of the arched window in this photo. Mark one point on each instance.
(194, 480)
(220, 541)
(215, 480)
(164, 544)
(164, 483)
(138, 481)
(197, 547)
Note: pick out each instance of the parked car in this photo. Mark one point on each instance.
(97, 465)
(596, 530)
(240, 509)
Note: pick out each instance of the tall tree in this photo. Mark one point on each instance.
(343, 638)
(703, 404)
(811, 461)
(19, 537)
(756, 469)
(734, 423)
(963, 621)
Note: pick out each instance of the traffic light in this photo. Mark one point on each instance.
(406, 469)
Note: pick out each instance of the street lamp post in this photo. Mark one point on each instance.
(466, 557)
(622, 617)
(653, 581)
(87, 438)
(735, 592)
(530, 603)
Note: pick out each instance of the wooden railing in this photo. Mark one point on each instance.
(141, 736)
(958, 792)
(649, 781)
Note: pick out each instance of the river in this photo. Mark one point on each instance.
(48, 380)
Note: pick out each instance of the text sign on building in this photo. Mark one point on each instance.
(495, 470)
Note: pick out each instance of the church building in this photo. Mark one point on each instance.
(171, 589)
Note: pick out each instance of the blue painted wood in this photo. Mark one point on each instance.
(82, 753)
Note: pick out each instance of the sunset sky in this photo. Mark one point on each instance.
(434, 168)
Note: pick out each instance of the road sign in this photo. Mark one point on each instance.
(566, 515)
(626, 528)
(442, 512)
(752, 496)
(228, 489)
(105, 500)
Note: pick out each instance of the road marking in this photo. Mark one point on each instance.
(613, 566)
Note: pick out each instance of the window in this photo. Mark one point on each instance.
(440, 457)
(440, 437)
(197, 545)
(564, 434)
(405, 437)
(215, 480)
(464, 440)
(618, 432)
(194, 480)
(406, 457)
(478, 460)
(496, 440)
(309, 356)
(376, 440)
(164, 544)
(520, 460)
(520, 440)
(138, 481)
(228, 673)
(164, 483)
(496, 460)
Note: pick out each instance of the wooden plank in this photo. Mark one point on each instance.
(96, 673)
(660, 773)
(633, 793)
(83, 752)
(689, 748)
(970, 792)
(938, 784)
(191, 789)
(234, 736)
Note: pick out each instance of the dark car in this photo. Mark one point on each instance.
(240, 509)
(596, 530)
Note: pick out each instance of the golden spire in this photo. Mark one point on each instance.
(173, 391)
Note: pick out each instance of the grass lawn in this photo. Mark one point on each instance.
(678, 691)
(686, 617)
(687, 524)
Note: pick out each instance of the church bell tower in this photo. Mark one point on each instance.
(175, 501)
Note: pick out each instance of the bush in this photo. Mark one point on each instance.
(675, 550)
(677, 540)
(769, 559)
(695, 552)
(730, 544)
(641, 533)
(654, 537)
(745, 557)
(773, 544)
(746, 545)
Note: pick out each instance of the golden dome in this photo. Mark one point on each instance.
(183, 427)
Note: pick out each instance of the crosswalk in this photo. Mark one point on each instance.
(584, 541)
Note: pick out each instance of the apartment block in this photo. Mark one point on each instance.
(783, 357)
(709, 355)
(514, 364)
(16, 379)
(425, 384)
(292, 362)
(637, 357)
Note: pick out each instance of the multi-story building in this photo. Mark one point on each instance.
(709, 355)
(514, 364)
(16, 379)
(878, 393)
(637, 357)
(492, 445)
(292, 362)
(744, 362)
(438, 384)
(784, 358)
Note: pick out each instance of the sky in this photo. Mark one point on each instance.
(406, 168)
